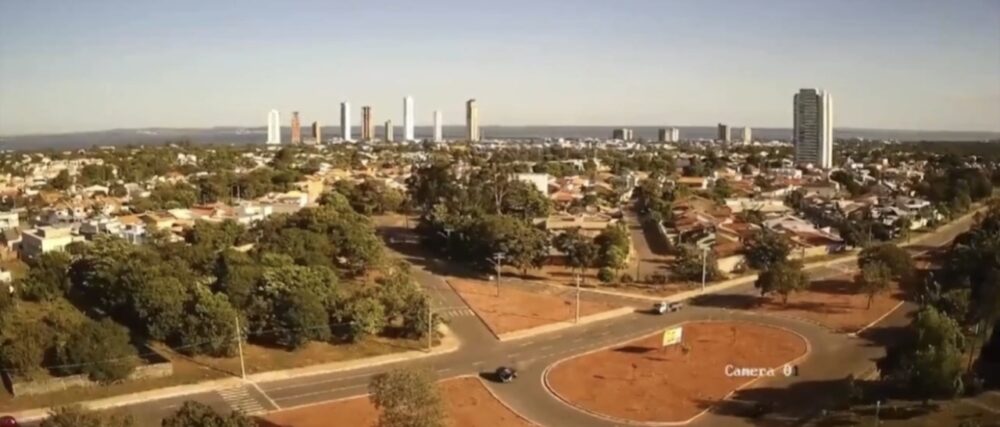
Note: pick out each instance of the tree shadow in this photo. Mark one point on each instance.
(731, 301)
(634, 349)
(834, 287)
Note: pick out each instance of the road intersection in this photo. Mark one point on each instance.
(833, 356)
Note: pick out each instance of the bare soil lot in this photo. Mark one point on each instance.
(651, 384)
(467, 404)
(517, 309)
(833, 303)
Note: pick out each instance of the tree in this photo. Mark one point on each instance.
(928, 363)
(197, 414)
(62, 181)
(784, 278)
(406, 398)
(691, 262)
(896, 259)
(47, 277)
(100, 349)
(209, 327)
(367, 316)
(766, 247)
(290, 305)
(874, 278)
(75, 416)
(580, 251)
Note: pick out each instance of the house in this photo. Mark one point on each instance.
(538, 180)
(9, 220)
(588, 224)
(46, 239)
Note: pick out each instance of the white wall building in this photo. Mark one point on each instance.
(273, 128)
(438, 135)
(747, 135)
(345, 121)
(812, 132)
(408, 119)
(9, 220)
(45, 239)
(538, 180)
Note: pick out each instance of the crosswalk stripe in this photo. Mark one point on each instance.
(239, 399)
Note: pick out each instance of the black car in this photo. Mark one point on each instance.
(506, 374)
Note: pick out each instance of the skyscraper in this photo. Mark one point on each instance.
(812, 132)
(472, 120)
(723, 133)
(438, 135)
(388, 131)
(367, 127)
(345, 121)
(317, 133)
(296, 128)
(669, 135)
(747, 135)
(622, 134)
(273, 128)
(408, 118)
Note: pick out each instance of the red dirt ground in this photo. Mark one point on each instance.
(639, 381)
(466, 400)
(518, 309)
(834, 303)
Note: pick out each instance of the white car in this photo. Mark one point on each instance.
(664, 307)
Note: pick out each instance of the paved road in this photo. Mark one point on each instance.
(832, 357)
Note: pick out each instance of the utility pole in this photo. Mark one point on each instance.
(497, 259)
(577, 298)
(430, 324)
(239, 343)
(704, 269)
(638, 264)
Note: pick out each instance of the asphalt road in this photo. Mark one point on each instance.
(832, 357)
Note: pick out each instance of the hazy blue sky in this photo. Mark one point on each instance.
(906, 64)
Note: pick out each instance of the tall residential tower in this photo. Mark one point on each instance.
(296, 128)
(812, 132)
(273, 128)
(387, 135)
(438, 135)
(723, 135)
(408, 118)
(472, 120)
(345, 121)
(367, 126)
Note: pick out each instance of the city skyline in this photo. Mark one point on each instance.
(896, 65)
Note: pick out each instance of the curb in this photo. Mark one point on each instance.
(565, 324)
(449, 343)
(552, 392)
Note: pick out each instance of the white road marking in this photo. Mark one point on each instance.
(312, 383)
(314, 393)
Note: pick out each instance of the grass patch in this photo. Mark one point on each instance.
(16, 267)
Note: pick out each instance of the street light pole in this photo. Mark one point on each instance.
(704, 269)
(239, 343)
(430, 323)
(497, 259)
(577, 298)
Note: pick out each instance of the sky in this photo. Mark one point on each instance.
(892, 64)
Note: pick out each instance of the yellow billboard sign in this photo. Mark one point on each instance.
(673, 336)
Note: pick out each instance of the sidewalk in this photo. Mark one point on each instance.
(448, 343)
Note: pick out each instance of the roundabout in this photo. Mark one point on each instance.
(645, 382)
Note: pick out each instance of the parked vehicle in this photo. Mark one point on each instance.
(8, 421)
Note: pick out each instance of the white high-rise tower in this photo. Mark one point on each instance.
(345, 121)
(471, 121)
(438, 135)
(408, 118)
(812, 132)
(273, 128)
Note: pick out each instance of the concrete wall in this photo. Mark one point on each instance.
(28, 388)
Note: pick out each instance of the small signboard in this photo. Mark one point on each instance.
(672, 336)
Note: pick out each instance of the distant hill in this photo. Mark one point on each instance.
(257, 135)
